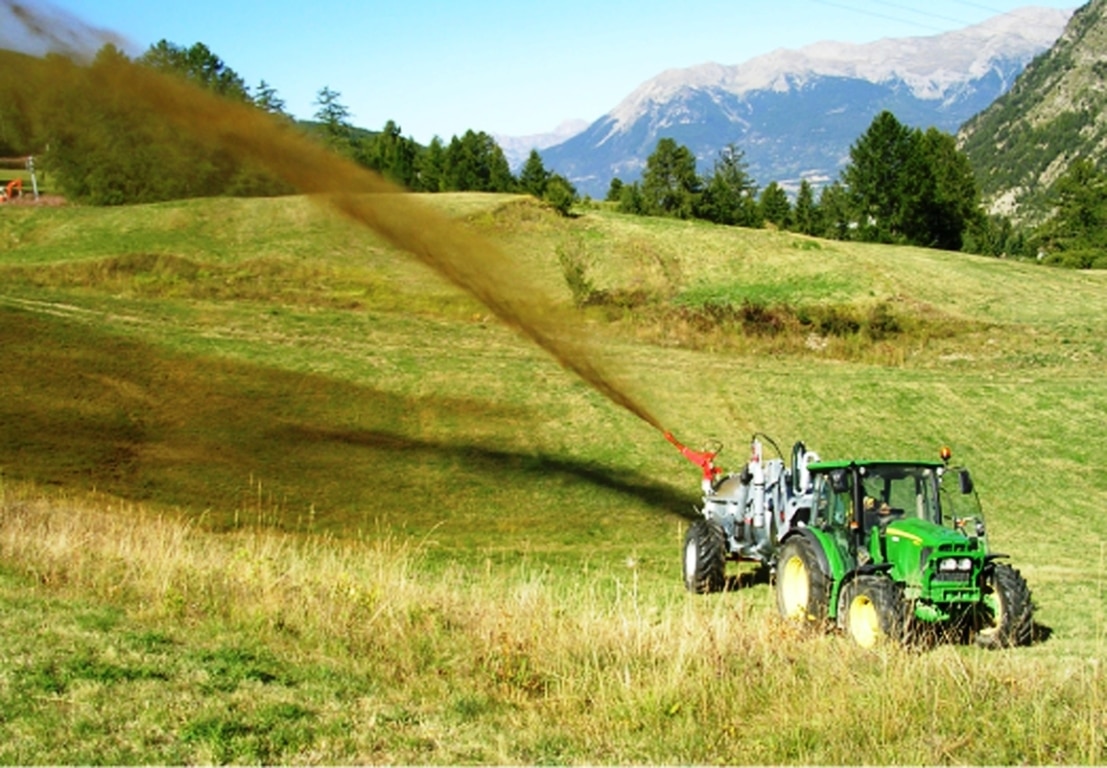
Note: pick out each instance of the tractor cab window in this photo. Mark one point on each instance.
(958, 499)
(899, 491)
(833, 499)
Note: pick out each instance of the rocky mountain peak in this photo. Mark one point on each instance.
(931, 66)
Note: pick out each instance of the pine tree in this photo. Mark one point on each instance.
(335, 118)
(1076, 236)
(806, 213)
(729, 194)
(775, 207)
(614, 190)
(534, 177)
(670, 185)
(476, 163)
(909, 186)
(430, 167)
(879, 176)
(835, 213)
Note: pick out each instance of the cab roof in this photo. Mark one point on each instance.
(829, 466)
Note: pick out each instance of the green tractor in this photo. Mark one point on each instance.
(897, 550)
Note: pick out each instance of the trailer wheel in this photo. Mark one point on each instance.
(801, 586)
(1007, 616)
(872, 611)
(704, 557)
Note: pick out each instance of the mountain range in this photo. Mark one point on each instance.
(795, 113)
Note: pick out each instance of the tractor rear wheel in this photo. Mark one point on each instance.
(705, 557)
(1006, 618)
(872, 611)
(801, 585)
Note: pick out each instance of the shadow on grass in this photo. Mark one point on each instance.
(86, 408)
(659, 497)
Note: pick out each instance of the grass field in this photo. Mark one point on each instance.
(274, 491)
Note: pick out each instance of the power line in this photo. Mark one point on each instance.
(996, 11)
(927, 14)
(877, 15)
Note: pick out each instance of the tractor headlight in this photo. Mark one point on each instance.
(952, 564)
(964, 564)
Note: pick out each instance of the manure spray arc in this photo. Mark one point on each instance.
(469, 262)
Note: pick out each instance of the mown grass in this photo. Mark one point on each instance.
(137, 638)
(342, 514)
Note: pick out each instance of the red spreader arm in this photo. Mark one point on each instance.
(705, 460)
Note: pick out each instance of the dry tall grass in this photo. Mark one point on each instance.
(530, 666)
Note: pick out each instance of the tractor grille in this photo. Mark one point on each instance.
(962, 576)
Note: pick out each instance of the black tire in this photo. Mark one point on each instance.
(704, 557)
(801, 586)
(1007, 617)
(871, 611)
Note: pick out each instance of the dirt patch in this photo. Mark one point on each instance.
(41, 200)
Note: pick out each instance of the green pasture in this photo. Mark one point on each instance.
(246, 365)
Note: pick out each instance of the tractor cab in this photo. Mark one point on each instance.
(865, 495)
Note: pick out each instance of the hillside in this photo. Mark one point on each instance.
(267, 340)
(275, 491)
(1053, 115)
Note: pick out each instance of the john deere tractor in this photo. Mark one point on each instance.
(881, 549)
(897, 550)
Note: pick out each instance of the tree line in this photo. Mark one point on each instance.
(108, 150)
(901, 185)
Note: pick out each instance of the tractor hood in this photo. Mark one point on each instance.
(933, 562)
(925, 534)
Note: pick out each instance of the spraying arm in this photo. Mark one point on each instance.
(705, 460)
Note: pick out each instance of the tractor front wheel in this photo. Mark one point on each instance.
(872, 611)
(1006, 618)
(705, 557)
(801, 585)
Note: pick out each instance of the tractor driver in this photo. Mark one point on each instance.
(876, 513)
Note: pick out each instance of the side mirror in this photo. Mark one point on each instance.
(965, 479)
(839, 480)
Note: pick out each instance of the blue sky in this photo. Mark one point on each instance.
(511, 67)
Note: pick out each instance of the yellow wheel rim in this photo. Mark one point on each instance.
(864, 624)
(794, 587)
(995, 604)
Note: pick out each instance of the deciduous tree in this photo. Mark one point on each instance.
(198, 64)
(560, 193)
